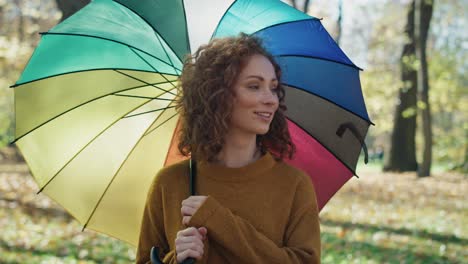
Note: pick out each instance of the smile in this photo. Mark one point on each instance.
(264, 114)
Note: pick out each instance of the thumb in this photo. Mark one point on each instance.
(203, 231)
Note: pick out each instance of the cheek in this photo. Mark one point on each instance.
(242, 108)
(247, 101)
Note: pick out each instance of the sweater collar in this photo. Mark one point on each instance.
(248, 172)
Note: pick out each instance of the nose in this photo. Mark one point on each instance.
(269, 98)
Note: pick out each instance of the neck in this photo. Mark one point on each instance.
(239, 150)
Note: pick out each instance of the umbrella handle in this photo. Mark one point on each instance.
(340, 131)
(188, 261)
(155, 257)
(192, 175)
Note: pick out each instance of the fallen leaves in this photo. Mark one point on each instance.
(378, 218)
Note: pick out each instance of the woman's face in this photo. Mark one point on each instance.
(255, 97)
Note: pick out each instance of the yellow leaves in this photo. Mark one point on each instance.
(409, 112)
(391, 217)
(34, 223)
(421, 105)
(410, 63)
(342, 233)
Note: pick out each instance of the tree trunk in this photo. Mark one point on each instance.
(402, 151)
(340, 22)
(19, 5)
(305, 8)
(305, 5)
(293, 3)
(464, 165)
(423, 14)
(68, 7)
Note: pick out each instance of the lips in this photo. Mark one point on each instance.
(264, 114)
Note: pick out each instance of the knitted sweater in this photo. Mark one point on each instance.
(264, 212)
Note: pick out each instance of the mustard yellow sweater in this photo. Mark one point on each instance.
(264, 212)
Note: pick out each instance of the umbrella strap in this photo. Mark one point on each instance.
(340, 131)
(193, 175)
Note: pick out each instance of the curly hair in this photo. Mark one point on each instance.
(205, 99)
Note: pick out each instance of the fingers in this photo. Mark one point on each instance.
(194, 200)
(189, 254)
(189, 243)
(186, 210)
(203, 231)
(186, 220)
(190, 207)
(195, 244)
(189, 232)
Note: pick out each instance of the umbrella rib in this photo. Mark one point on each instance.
(140, 80)
(286, 22)
(121, 165)
(331, 152)
(98, 37)
(160, 124)
(87, 144)
(319, 58)
(151, 111)
(149, 24)
(79, 71)
(51, 119)
(167, 54)
(144, 97)
(300, 20)
(155, 69)
(328, 100)
(189, 48)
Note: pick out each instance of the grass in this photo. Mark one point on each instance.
(377, 218)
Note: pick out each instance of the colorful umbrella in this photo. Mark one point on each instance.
(95, 117)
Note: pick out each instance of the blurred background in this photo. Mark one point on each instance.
(408, 204)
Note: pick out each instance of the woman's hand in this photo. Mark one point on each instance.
(189, 243)
(190, 206)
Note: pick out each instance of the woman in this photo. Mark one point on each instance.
(251, 207)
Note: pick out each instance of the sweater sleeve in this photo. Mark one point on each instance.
(242, 243)
(152, 229)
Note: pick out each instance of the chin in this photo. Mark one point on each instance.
(262, 131)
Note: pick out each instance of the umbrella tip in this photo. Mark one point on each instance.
(12, 142)
(82, 230)
(38, 192)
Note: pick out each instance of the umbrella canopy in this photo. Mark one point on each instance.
(95, 117)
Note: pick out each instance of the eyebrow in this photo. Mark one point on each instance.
(259, 77)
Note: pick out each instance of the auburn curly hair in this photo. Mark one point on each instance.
(205, 99)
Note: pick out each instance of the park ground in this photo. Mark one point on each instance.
(376, 218)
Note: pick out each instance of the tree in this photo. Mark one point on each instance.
(68, 7)
(402, 152)
(305, 5)
(423, 14)
(340, 21)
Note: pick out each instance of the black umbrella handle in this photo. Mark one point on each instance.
(188, 261)
(340, 131)
(155, 257)
(192, 174)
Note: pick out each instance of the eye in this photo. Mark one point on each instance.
(275, 89)
(253, 86)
